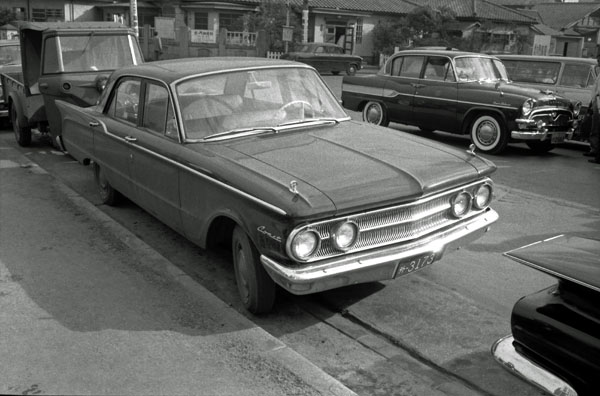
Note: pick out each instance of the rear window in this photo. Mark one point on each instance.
(532, 71)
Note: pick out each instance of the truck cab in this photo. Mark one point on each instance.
(69, 61)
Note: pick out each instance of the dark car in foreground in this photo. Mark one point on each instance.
(463, 93)
(326, 57)
(555, 340)
(258, 155)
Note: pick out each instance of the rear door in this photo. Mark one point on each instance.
(400, 87)
(436, 93)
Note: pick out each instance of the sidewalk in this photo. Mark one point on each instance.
(88, 308)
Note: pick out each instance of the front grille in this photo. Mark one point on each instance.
(553, 118)
(402, 223)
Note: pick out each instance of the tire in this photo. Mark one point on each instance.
(375, 113)
(22, 134)
(539, 146)
(256, 288)
(335, 73)
(108, 195)
(489, 134)
(351, 69)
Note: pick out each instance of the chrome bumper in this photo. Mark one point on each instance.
(375, 265)
(537, 134)
(505, 354)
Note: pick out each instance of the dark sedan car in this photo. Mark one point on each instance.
(258, 155)
(463, 93)
(326, 57)
(555, 340)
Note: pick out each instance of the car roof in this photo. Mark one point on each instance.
(591, 61)
(450, 53)
(175, 69)
(71, 26)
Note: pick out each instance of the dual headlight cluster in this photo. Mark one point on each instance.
(306, 242)
(303, 244)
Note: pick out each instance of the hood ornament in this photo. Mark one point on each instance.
(471, 149)
(293, 187)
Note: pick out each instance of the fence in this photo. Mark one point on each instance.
(273, 55)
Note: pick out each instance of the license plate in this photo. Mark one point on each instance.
(415, 263)
(557, 137)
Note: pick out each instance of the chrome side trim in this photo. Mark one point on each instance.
(200, 174)
(374, 264)
(505, 353)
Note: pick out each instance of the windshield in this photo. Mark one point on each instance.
(10, 55)
(92, 52)
(257, 99)
(480, 69)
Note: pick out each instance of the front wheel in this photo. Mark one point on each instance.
(22, 134)
(540, 147)
(489, 134)
(256, 288)
(375, 113)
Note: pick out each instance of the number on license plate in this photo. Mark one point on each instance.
(557, 138)
(415, 263)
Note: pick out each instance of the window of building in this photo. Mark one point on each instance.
(201, 20)
(19, 13)
(48, 15)
(359, 30)
(229, 20)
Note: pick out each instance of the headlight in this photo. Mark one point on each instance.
(461, 204)
(483, 196)
(344, 235)
(304, 244)
(576, 109)
(527, 106)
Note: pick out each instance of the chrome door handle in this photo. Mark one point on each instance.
(130, 139)
(43, 85)
(94, 123)
(417, 85)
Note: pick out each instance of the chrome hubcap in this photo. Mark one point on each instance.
(374, 115)
(487, 133)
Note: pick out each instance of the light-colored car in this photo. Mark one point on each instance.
(572, 78)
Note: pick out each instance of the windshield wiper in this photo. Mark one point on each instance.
(239, 131)
(88, 42)
(310, 120)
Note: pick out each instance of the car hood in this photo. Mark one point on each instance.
(353, 165)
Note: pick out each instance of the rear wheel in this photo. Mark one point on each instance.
(489, 134)
(22, 134)
(375, 113)
(108, 195)
(256, 288)
(540, 147)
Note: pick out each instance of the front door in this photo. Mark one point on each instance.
(400, 87)
(436, 94)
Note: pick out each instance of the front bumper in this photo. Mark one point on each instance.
(529, 131)
(505, 353)
(377, 264)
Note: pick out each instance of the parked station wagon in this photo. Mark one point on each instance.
(570, 77)
(259, 155)
(463, 93)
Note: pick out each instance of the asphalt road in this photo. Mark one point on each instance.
(426, 333)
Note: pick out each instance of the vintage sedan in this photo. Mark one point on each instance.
(326, 57)
(555, 340)
(463, 93)
(258, 155)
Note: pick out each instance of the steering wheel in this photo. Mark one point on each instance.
(295, 102)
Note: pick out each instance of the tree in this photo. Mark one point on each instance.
(271, 17)
(6, 16)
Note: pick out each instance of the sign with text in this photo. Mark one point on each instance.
(288, 32)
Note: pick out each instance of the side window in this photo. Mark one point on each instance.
(438, 69)
(411, 67)
(397, 65)
(51, 64)
(125, 101)
(575, 76)
(156, 105)
(320, 50)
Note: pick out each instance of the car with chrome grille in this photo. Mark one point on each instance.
(463, 93)
(258, 155)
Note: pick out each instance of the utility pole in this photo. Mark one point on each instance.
(133, 17)
(305, 21)
(287, 22)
